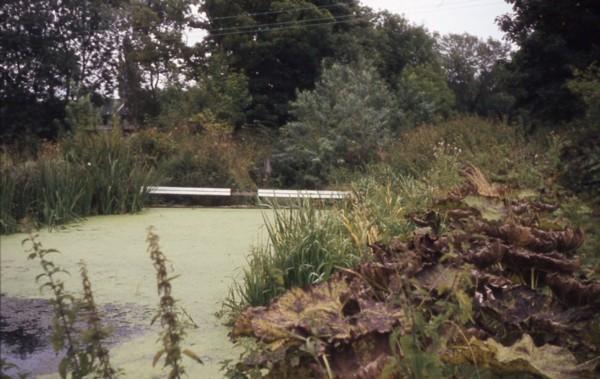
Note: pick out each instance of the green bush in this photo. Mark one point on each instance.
(343, 122)
(153, 147)
(82, 115)
(423, 96)
(189, 168)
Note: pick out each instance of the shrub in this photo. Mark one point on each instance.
(423, 96)
(190, 168)
(152, 146)
(82, 115)
(341, 123)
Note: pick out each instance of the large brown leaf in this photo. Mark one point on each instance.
(332, 311)
(572, 291)
(547, 361)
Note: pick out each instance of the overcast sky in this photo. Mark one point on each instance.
(444, 16)
(449, 16)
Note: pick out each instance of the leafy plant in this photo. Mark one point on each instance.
(95, 335)
(341, 123)
(173, 319)
(65, 307)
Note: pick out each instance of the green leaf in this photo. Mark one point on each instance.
(192, 355)
(62, 368)
(157, 357)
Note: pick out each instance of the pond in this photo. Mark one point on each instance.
(206, 246)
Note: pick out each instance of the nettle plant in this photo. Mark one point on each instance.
(174, 320)
(77, 327)
(66, 308)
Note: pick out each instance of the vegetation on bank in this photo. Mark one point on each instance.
(441, 258)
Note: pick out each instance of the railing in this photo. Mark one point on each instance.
(189, 191)
(308, 194)
(266, 193)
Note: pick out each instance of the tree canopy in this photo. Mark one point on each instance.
(554, 38)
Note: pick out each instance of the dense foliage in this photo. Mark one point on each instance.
(341, 123)
(553, 39)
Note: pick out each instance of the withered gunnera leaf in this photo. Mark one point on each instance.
(547, 361)
(573, 292)
(535, 239)
(511, 307)
(320, 311)
(549, 262)
(488, 254)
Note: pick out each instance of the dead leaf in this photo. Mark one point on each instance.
(547, 361)
(330, 311)
(573, 292)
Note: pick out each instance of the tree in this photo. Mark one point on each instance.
(423, 96)
(218, 91)
(341, 123)
(152, 52)
(396, 43)
(554, 37)
(476, 71)
(52, 53)
(278, 45)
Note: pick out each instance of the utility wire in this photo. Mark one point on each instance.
(281, 11)
(267, 27)
(295, 26)
(427, 7)
(282, 23)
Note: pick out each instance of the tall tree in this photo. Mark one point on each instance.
(476, 71)
(52, 52)
(396, 43)
(554, 37)
(152, 52)
(278, 45)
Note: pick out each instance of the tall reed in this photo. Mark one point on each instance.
(304, 246)
(116, 178)
(88, 175)
(8, 190)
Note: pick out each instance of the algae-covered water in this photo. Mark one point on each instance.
(206, 247)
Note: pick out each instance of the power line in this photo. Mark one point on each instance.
(282, 23)
(281, 11)
(294, 26)
(431, 6)
(267, 27)
(461, 6)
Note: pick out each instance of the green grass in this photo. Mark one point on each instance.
(304, 246)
